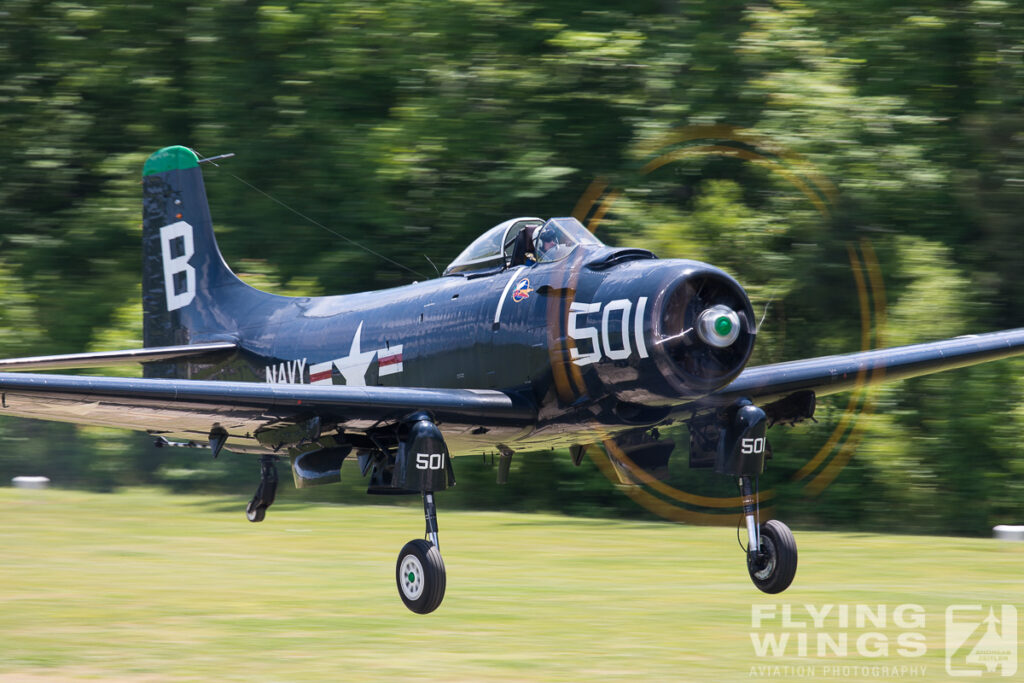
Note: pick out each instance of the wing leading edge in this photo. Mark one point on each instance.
(834, 374)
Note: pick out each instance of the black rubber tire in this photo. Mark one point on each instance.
(775, 574)
(255, 513)
(420, 576)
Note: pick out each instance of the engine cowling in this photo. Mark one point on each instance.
(658, 332)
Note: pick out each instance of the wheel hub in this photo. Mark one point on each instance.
(412, 577)
(765, 560)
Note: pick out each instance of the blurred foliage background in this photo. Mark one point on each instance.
(413, 126)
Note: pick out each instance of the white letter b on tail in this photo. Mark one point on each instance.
(179, 276)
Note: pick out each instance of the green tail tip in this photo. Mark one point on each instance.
(174, 158)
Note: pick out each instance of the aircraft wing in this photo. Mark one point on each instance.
(833, 374)
(191, 408)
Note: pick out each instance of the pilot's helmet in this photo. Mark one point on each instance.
(547, 234)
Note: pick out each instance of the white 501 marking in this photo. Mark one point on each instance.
(178, 264)
(429, 461)
(614, 348)
(752, 446)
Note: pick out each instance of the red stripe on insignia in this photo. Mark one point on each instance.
(390, 360)
(317, 376)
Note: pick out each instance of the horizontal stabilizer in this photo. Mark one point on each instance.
(105, 359)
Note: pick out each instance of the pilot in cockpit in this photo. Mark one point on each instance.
(547, 245)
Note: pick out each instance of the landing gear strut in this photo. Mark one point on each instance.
(256, 510)
(420, 572)
(771, 548)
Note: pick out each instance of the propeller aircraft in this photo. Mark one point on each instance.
(536, 336)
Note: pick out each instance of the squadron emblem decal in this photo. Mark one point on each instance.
(522, 290)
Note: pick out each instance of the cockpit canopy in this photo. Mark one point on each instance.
(522, 241)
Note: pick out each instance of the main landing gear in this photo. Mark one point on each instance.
(419, 572)
(256, 510)
(733, 442)
(420, 464)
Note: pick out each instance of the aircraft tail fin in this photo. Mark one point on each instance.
(188, 291)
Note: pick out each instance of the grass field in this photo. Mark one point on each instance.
(145, 586)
